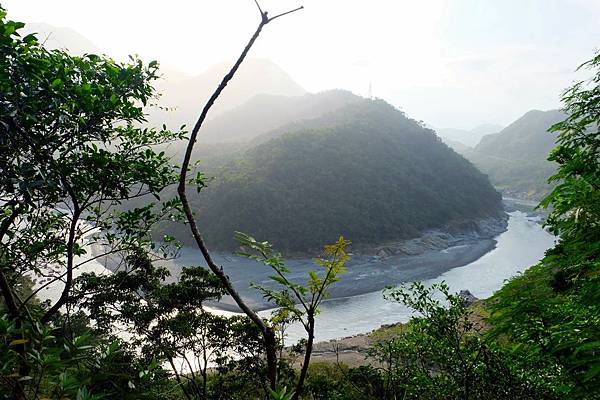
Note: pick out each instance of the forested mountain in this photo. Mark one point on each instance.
(365, 171)
(515, 158)
(525, 138)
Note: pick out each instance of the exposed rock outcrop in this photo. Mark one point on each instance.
(454, 234)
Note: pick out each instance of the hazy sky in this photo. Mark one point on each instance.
(453, 63)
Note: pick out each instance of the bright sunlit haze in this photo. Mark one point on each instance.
(452, 64)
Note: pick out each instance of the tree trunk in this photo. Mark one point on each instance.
(185, 393)
(271, 350)
(307, 354)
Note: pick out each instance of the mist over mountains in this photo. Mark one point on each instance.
(55, 37)
(182, 96)
(265, 112)
(467, 137)
(185, 97)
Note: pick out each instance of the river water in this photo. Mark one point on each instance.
(520, 246)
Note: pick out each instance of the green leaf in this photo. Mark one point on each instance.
(279, 280)
(18, 342)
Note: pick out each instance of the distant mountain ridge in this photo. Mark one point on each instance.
(185, 97)
(263, 113)
(467, 137)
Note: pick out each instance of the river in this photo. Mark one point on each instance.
(520, 246)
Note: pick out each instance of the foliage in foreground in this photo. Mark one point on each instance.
(297, 303)
(551, 313)
(73, 156)
(71, 151)
(441, 353)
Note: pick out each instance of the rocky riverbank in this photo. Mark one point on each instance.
(440, 239)
(370, 269)
(527, 206)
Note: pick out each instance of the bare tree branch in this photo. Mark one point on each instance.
(259, 9)
(286, 13)
(267, 331)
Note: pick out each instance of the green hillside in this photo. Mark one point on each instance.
(524, 139)
(515, 159)
(365, 171)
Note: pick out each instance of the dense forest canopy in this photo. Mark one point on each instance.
(365, 171)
